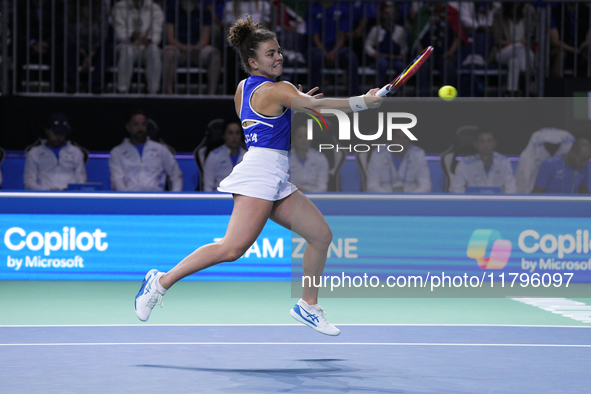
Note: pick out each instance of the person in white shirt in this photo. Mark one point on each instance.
(476, 16)
(544, 143)
(220, 161)
(54, 162)
(138, 28)
(309, 168)
(486, 169)
(188, 39)
(514, 28)
(405, 171)
(140, 164)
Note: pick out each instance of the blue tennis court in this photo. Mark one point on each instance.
(293, 358)
(224, 335)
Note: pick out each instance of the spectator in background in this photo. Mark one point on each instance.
(386, 44)
(309, 168)
(569, 34)
(259, 10)
(365, 14)
(188, 35)
(41, 39)
(485, 169)
(54, 163)
(543, 143)
(140, 164)
(220, 161)
(138, 29)
(405, 171)
(477, 19)
(330, 25)
(438, 25)
(476, 16)
(514, 29)
(87, 35)
(566, 174)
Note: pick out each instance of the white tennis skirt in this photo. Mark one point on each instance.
(262, 173)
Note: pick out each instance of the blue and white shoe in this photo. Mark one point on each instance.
(313, 316)
(148, 296)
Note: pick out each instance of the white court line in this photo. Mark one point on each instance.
(286, 325)
(294, 343)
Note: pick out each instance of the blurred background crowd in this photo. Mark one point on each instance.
(179, 46)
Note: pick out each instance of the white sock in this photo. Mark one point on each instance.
(306, 304)
(159, 287)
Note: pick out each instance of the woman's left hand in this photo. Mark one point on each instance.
(311, 92)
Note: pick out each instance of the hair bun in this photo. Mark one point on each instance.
(241, 30)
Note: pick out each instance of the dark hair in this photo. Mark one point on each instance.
(228, 123)
(579, 142)
(485, 131)
(245, 36)
(136, 111)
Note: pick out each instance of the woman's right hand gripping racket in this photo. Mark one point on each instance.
(406, 74)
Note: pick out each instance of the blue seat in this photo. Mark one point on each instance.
(189, 170)
(13, 170)
(350, 176)
(97, 169)
(436, 174)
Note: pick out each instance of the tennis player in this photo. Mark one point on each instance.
(260, 183)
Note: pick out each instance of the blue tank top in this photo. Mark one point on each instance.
(266, 131)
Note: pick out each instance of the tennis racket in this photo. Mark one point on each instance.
(406, 74)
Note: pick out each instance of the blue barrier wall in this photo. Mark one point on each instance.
(120, 236)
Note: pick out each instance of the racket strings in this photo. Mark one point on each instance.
(413, 67)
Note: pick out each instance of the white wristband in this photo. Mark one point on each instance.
(357, 103)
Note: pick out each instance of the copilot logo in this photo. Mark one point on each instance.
(69, 240)
(499, 249)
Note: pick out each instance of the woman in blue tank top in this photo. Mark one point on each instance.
(259, 183)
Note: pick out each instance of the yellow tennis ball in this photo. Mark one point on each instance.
(448, 92)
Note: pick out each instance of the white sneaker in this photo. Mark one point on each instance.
(148, 296)
(313, 316)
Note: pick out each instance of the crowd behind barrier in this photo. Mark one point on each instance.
(349, 174)
(346, 47)
(554, 161)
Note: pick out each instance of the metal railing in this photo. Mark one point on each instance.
(346, 47)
